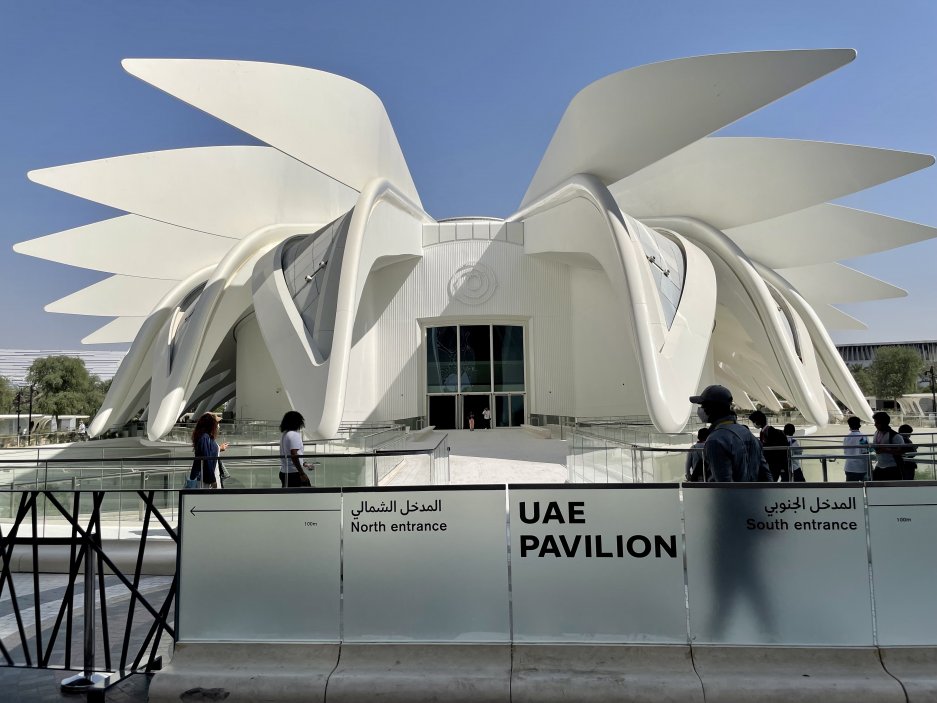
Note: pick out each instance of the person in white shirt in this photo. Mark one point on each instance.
(486, 416)
(856, 449)
(292, 470)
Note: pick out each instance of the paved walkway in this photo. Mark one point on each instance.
(27, 685)
(491, 456)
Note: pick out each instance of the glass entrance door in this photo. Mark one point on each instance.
(509, 410)
(468, 367)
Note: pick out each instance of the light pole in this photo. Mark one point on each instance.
(19, 403)
(29, 436)
(933, 394)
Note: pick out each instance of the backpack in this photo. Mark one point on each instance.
(900, 470)
(777, 460)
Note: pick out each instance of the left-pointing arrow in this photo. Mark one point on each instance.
(195, 509)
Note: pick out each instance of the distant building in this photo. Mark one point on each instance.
(15, 363)
(864, 354)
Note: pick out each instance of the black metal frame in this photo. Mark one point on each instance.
(86, 550)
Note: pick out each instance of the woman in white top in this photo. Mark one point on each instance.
(292, 474)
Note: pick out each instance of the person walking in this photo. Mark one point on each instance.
(292, 470)
(856, 449)
(774, 444)
(471, 421)
(794, 454)
(889, 450)
(486, 416)
(695, 466)
(731, 450)
(910, 451)
(204, 472)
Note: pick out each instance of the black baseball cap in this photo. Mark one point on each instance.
(713, 394)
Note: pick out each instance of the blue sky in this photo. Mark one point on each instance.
(474, 90)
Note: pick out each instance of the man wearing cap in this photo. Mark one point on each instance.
(733, 454)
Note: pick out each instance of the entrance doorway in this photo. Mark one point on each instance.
(474, 406)
(473, 367)
(442, 412)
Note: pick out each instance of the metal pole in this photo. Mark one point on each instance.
(19, 403)
(87, 680)
(933, 396)
(30, 424)
(823, 466)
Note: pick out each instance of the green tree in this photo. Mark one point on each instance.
(895, 371)
(64, 386)
(861, 375)
(7, 394)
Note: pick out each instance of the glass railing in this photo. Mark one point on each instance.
(621, 457)
(425, 463)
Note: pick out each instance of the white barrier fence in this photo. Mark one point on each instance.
(832, 565)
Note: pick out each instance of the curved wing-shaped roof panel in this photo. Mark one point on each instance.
(329, 122)
(131, 245)
(630, 119)
(734, 181)
(835, 283)
(835, 319)
(229, 191)
(117, 296)
(824, 233)
(123, 330)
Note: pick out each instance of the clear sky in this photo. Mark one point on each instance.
(474, 90)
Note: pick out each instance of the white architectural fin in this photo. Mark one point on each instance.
(824, 233)
(669, 358)
(117, 296)
(329, 122)
(734, 181)
(835, 319)
(630, 119)
(835, 283)
(132, 380)
(131, 245)
(384, 225)
(229, 191)
(122, 330)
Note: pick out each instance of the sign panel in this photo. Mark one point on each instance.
(597, 564)
(425, 565)
(775, 564)
(260, 567)
(902, 525)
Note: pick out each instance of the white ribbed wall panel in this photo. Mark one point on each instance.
(529, 290)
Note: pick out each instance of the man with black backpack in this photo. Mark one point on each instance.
(775, 446)
(889, 450)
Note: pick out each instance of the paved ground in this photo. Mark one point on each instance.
(42, 686)
(492, 456)
(19, 683)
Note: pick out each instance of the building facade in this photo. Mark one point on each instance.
(645, 261)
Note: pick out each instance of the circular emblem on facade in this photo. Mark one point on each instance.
(472, 284)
